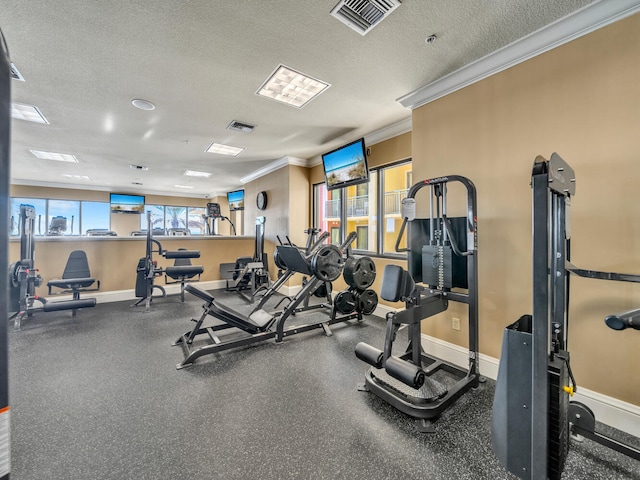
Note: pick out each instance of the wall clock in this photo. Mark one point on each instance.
(261, 200)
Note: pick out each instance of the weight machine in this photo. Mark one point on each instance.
(324, 265)
(24, 277)
(251, 273)
(314, 241)
(147, 270)
(532, 416)
(442, 254)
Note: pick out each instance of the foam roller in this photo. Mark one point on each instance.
(69, 305)
(406, 372)
(620, 321)
(369, 354)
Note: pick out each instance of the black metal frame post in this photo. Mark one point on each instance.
(5, 139)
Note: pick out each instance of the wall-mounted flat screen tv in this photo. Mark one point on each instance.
(236, 200)
(121, 203)
(346, 165)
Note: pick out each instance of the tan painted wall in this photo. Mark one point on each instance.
(113, 261)
(583, 101)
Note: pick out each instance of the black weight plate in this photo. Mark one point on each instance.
(278, 261)
(327, 263)
(321, 291)
(367, 302)
(359, 272)
(345, 302)
(14, 279)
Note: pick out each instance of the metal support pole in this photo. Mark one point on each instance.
(540, 329)
(5, 139)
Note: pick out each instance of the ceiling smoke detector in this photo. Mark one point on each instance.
(363, 15)
(240, 127)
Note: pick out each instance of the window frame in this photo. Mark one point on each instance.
(379, 205)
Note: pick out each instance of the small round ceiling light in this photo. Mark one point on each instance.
(142, 104)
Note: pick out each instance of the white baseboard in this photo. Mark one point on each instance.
(122, 295)
(608, 410)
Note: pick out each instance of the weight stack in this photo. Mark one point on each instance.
(437, 264)
(558, 423)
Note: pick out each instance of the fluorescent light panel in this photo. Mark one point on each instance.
(195, 173)
(30, 113)
(77, 177)
(58, 157)
(289, 86)
(224, 149)
(188, 187)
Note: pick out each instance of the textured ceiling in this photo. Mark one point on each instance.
(201, 62)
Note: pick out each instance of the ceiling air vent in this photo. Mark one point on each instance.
(15, 74)
(240, 127)
(363, 15)
(139, 167)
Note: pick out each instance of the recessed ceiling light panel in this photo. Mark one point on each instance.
(58, 157)
(224, 149)
(77, 177)
(30, 113)
(187, 187)
(195, 173)
(289, 86)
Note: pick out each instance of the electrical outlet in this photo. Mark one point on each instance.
(455, 323)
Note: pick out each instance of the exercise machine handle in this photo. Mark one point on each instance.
(621, 321)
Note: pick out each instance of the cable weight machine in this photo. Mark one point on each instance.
(533, 418)
(442, 255)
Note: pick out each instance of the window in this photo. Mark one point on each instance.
(327, 211)
(196, 222)
(362, 212)
(175, 217)
(396, 183)
(63, 217)
(94, 215)
(372, 209)
(157, 217)
(363, 238)
(40, 204)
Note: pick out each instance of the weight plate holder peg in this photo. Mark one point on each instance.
(359, 272)
(345, 302)
(367, 301)
(327, 263)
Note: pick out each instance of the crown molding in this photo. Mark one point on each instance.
(583, 21)
(273, 166)
(390, 131)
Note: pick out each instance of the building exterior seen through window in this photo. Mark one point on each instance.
(372, 210)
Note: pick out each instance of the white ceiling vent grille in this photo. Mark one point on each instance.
(363, 15)
(240, 127)
(15, 74)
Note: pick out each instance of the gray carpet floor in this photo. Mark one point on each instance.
(99, 397)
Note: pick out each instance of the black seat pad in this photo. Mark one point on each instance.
(257, 323)
(72, 282)
(187, 271)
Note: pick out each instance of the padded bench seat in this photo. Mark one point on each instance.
(257, 322)
(188, 271)
(70, 283)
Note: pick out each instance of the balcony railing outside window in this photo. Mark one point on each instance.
(393, 201)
